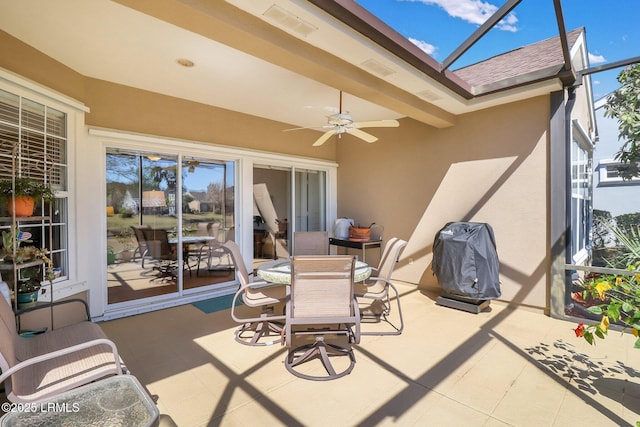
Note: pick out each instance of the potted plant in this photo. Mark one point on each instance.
(28, 290)
(13, 238)
(22, 193)
(360, 234)
(111, 256)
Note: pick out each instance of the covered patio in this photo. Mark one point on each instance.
(502, 367)
(199, 82)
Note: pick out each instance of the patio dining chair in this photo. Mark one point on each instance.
(212, 252)
(255, 294)
(321, 304)
(376, 287)
(160, 250)
(311, 243)
(141, 250)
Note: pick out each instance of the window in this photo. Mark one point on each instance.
(581, 190)
(33, 144)
(609, 174)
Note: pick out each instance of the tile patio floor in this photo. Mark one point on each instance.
(503, 367)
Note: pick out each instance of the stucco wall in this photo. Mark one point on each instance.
(125, 108)
(491, 167)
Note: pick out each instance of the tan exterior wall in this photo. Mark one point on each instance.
(27, 62)
(491, 167)
(125, 108)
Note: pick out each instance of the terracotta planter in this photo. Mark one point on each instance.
(23, 206)
(359, 234)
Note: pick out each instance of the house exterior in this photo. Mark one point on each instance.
(493, 144)
(610, 193)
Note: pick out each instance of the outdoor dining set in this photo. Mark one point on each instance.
(312, 303)
(315, 304)
(160, 246)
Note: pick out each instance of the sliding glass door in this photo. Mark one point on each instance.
(286, 200)
(207, 219)
(166, 215)
(310, 200)
(271, 211)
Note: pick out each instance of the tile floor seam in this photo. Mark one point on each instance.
(506, 392)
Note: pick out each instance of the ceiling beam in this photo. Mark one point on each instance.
(235, 28)
(367, 24)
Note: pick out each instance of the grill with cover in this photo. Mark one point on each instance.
(466, 263)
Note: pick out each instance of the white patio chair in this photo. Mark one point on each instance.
(376, 287)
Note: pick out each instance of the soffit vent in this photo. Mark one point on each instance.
(289, 21)
(428, 95)
(377, 68)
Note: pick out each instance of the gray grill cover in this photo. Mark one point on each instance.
(465, 260)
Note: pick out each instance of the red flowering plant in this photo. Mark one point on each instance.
(618, 298)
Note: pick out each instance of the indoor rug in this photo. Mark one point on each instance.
(215, 304)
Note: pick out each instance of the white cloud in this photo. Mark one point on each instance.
(596, 59)
(473, 11)
(426, 47)
(509, 23)
(596, 82)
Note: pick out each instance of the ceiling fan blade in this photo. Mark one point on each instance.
(305, 128)
(377, 124)
(325, 136)
(362, 135)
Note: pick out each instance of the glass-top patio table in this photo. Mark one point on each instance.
(187, 240)
(114, 401)
(279, 271)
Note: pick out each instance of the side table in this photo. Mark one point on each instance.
(115, 401)
(363, 246)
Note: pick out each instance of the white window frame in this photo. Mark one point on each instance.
(74, 110)
(579, 224)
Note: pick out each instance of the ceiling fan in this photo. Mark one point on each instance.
(341, 122)
(191, 165)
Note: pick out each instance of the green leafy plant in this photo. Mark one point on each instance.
(624, 105)
(12, 237)
(29, 285)
(22, 186)
(616, 299)
(629, 238)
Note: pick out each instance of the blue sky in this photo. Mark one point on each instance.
(440, 26)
